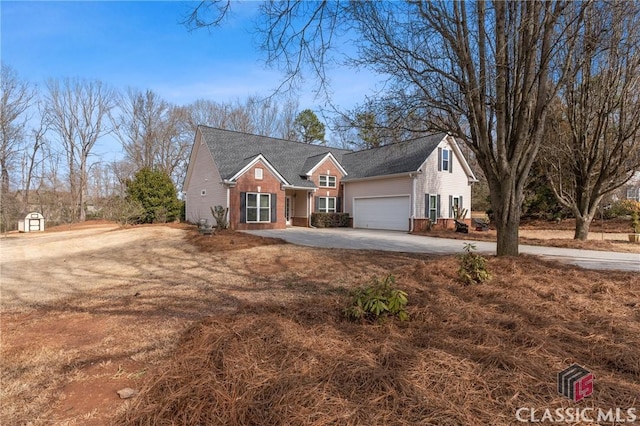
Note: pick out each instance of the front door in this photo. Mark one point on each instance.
(287, 210)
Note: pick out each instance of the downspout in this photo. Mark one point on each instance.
(309, 197)
(228, 203)
(413, 201)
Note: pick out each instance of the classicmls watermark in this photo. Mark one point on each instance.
(576, 383)
(573, 414)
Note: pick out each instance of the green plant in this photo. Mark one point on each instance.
(330, 220)
(157, 194)
(635, 222)
(473, 267)
(622, 208)
(380, 298)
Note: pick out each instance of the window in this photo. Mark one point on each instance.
(258, 207)
(446, 159)
(327, 204)
(258, 173)
(454, 203)
(432, 207)
(327, 181)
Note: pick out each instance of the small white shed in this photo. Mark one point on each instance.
(32, 222)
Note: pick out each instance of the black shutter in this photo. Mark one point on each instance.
(338, 204)
(274, 208)
(461, 206)
(450, 205)
(437, 206)
(426, 205)
(450, 161)
(243, 207)
(315, 204)
(439, 159)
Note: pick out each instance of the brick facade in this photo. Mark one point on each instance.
(327, 167)
(269, 184)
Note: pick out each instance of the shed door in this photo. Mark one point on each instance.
(34, 224)
(390, 213)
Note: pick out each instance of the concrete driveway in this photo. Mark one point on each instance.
(349, 238)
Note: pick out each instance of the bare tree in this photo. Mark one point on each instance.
(32, 155)
(153, 133)
(593, 143)
(16, 96)
(78, 111)
(269, 117)
(483, 71)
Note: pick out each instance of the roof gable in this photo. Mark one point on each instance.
(315, 162)
(402, 157)
(232, 151)
(250, 162)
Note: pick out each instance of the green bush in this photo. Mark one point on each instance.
(330, 220)
(473, 267)
(377, 300)
(623, 208)
(157, 194)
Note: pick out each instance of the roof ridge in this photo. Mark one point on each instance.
(404, 142)
(274, 138)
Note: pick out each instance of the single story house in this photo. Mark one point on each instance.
(269, 183)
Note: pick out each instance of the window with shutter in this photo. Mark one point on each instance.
(258, 207)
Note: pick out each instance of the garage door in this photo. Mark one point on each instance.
(382, 213)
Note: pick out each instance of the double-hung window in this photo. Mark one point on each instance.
(446, 159)
(327, 181)
(456, 205)
(327, 204)
(258, 207)
(432, 208)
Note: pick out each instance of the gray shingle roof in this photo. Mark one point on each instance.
(403, 157)
(234, 150)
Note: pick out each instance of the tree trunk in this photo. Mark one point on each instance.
(508, 237)
(506, 209)
(582, 227)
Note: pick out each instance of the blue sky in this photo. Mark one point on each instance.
(143, 45)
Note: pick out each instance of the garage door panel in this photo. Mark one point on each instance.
(390, 213)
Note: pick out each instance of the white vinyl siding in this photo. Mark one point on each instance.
(450, 184)
(202, 186)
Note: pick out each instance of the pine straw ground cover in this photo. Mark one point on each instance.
(557, 234)
(470, 355)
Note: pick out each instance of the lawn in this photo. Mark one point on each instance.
(234, 329)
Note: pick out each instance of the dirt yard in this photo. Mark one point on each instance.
(89, 311)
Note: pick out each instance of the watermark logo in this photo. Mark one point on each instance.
(575, 383)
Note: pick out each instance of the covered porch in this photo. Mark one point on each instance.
(297, 206)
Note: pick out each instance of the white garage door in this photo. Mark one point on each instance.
(382, 213)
